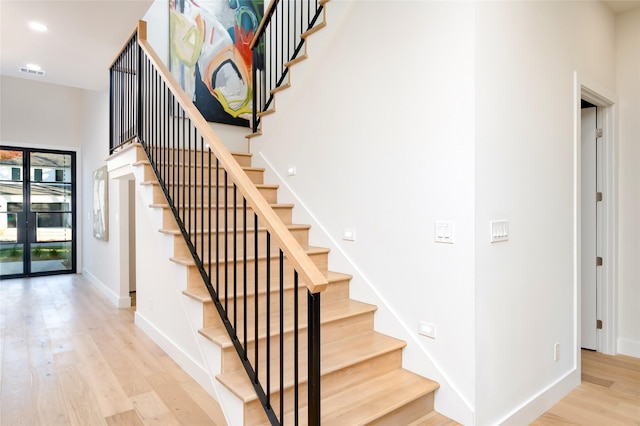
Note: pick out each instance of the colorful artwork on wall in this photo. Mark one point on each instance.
(211, 57)
(101, 204)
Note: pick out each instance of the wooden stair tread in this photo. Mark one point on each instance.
(291, 227)
(267, 112)
(199, 165)
(201, 294)
(229, 184)
(254, 134)
(433, 419)
(230, 206)
(280, 88)
(372, 399)
(336, 355)
(188, 261)
(196, 165)
(331, 312)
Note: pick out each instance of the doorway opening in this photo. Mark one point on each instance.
(37, 212)
(596, 191)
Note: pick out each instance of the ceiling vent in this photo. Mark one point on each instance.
(39, 73)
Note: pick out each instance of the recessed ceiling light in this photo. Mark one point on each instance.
(37, 26)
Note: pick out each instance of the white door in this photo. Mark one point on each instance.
(588, 228)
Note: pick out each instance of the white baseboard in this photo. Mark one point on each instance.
(536, 406)
(198, 372)
(117, 301)
(629, 347)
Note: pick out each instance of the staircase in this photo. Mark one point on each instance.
(361, 376)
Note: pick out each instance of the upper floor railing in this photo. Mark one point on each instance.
(278, 44)
(250, 262)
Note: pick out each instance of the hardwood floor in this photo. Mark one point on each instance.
(608, 395)
(68, 357)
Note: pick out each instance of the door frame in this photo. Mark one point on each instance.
(80, 207)
(607, 232)
(76, 217)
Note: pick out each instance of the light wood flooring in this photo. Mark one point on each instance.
(608, 395)
(68, 357)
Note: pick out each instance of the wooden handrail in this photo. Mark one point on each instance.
(315, 280)
(265, 18)
(140, 30)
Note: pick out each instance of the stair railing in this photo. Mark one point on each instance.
(241, 253)
(277, 44)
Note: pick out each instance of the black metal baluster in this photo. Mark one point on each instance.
(226, 246)
(202, 226)
(296, 354)
(256, 315)
(313, 331)
(235, 258)
(244, 274)
(268, 320)
(218, 226)
(281, 288)
(209, 219)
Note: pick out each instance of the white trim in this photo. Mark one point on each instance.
(530, 410)
(78, 182)
(607, 290)
(629, 347)
(197, 371)
(117, 301)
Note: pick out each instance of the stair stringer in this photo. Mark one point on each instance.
(449, 399)
(160, 283)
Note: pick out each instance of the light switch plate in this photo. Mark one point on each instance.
(445, 232)
(499, 230)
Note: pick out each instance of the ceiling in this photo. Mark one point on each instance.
(82, 40)
(84, 36)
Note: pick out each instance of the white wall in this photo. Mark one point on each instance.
(102, 258)
(40, 115)
(35, 113)
(45, 116)
(379, 125)
(526, 55)
(628, 90)
(474, 112)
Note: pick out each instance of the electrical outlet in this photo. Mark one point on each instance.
(291, 171)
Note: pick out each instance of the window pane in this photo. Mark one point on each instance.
(8, 227)
(50, 197)
(11, 259)
(53, 227)
(10, 165)
(48, 167)
(46, 257)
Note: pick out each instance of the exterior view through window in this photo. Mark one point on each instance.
(37, 212)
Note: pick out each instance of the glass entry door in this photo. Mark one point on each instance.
(37, 212)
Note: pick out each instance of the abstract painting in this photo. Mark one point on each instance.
(101, 204)
(211, 56)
